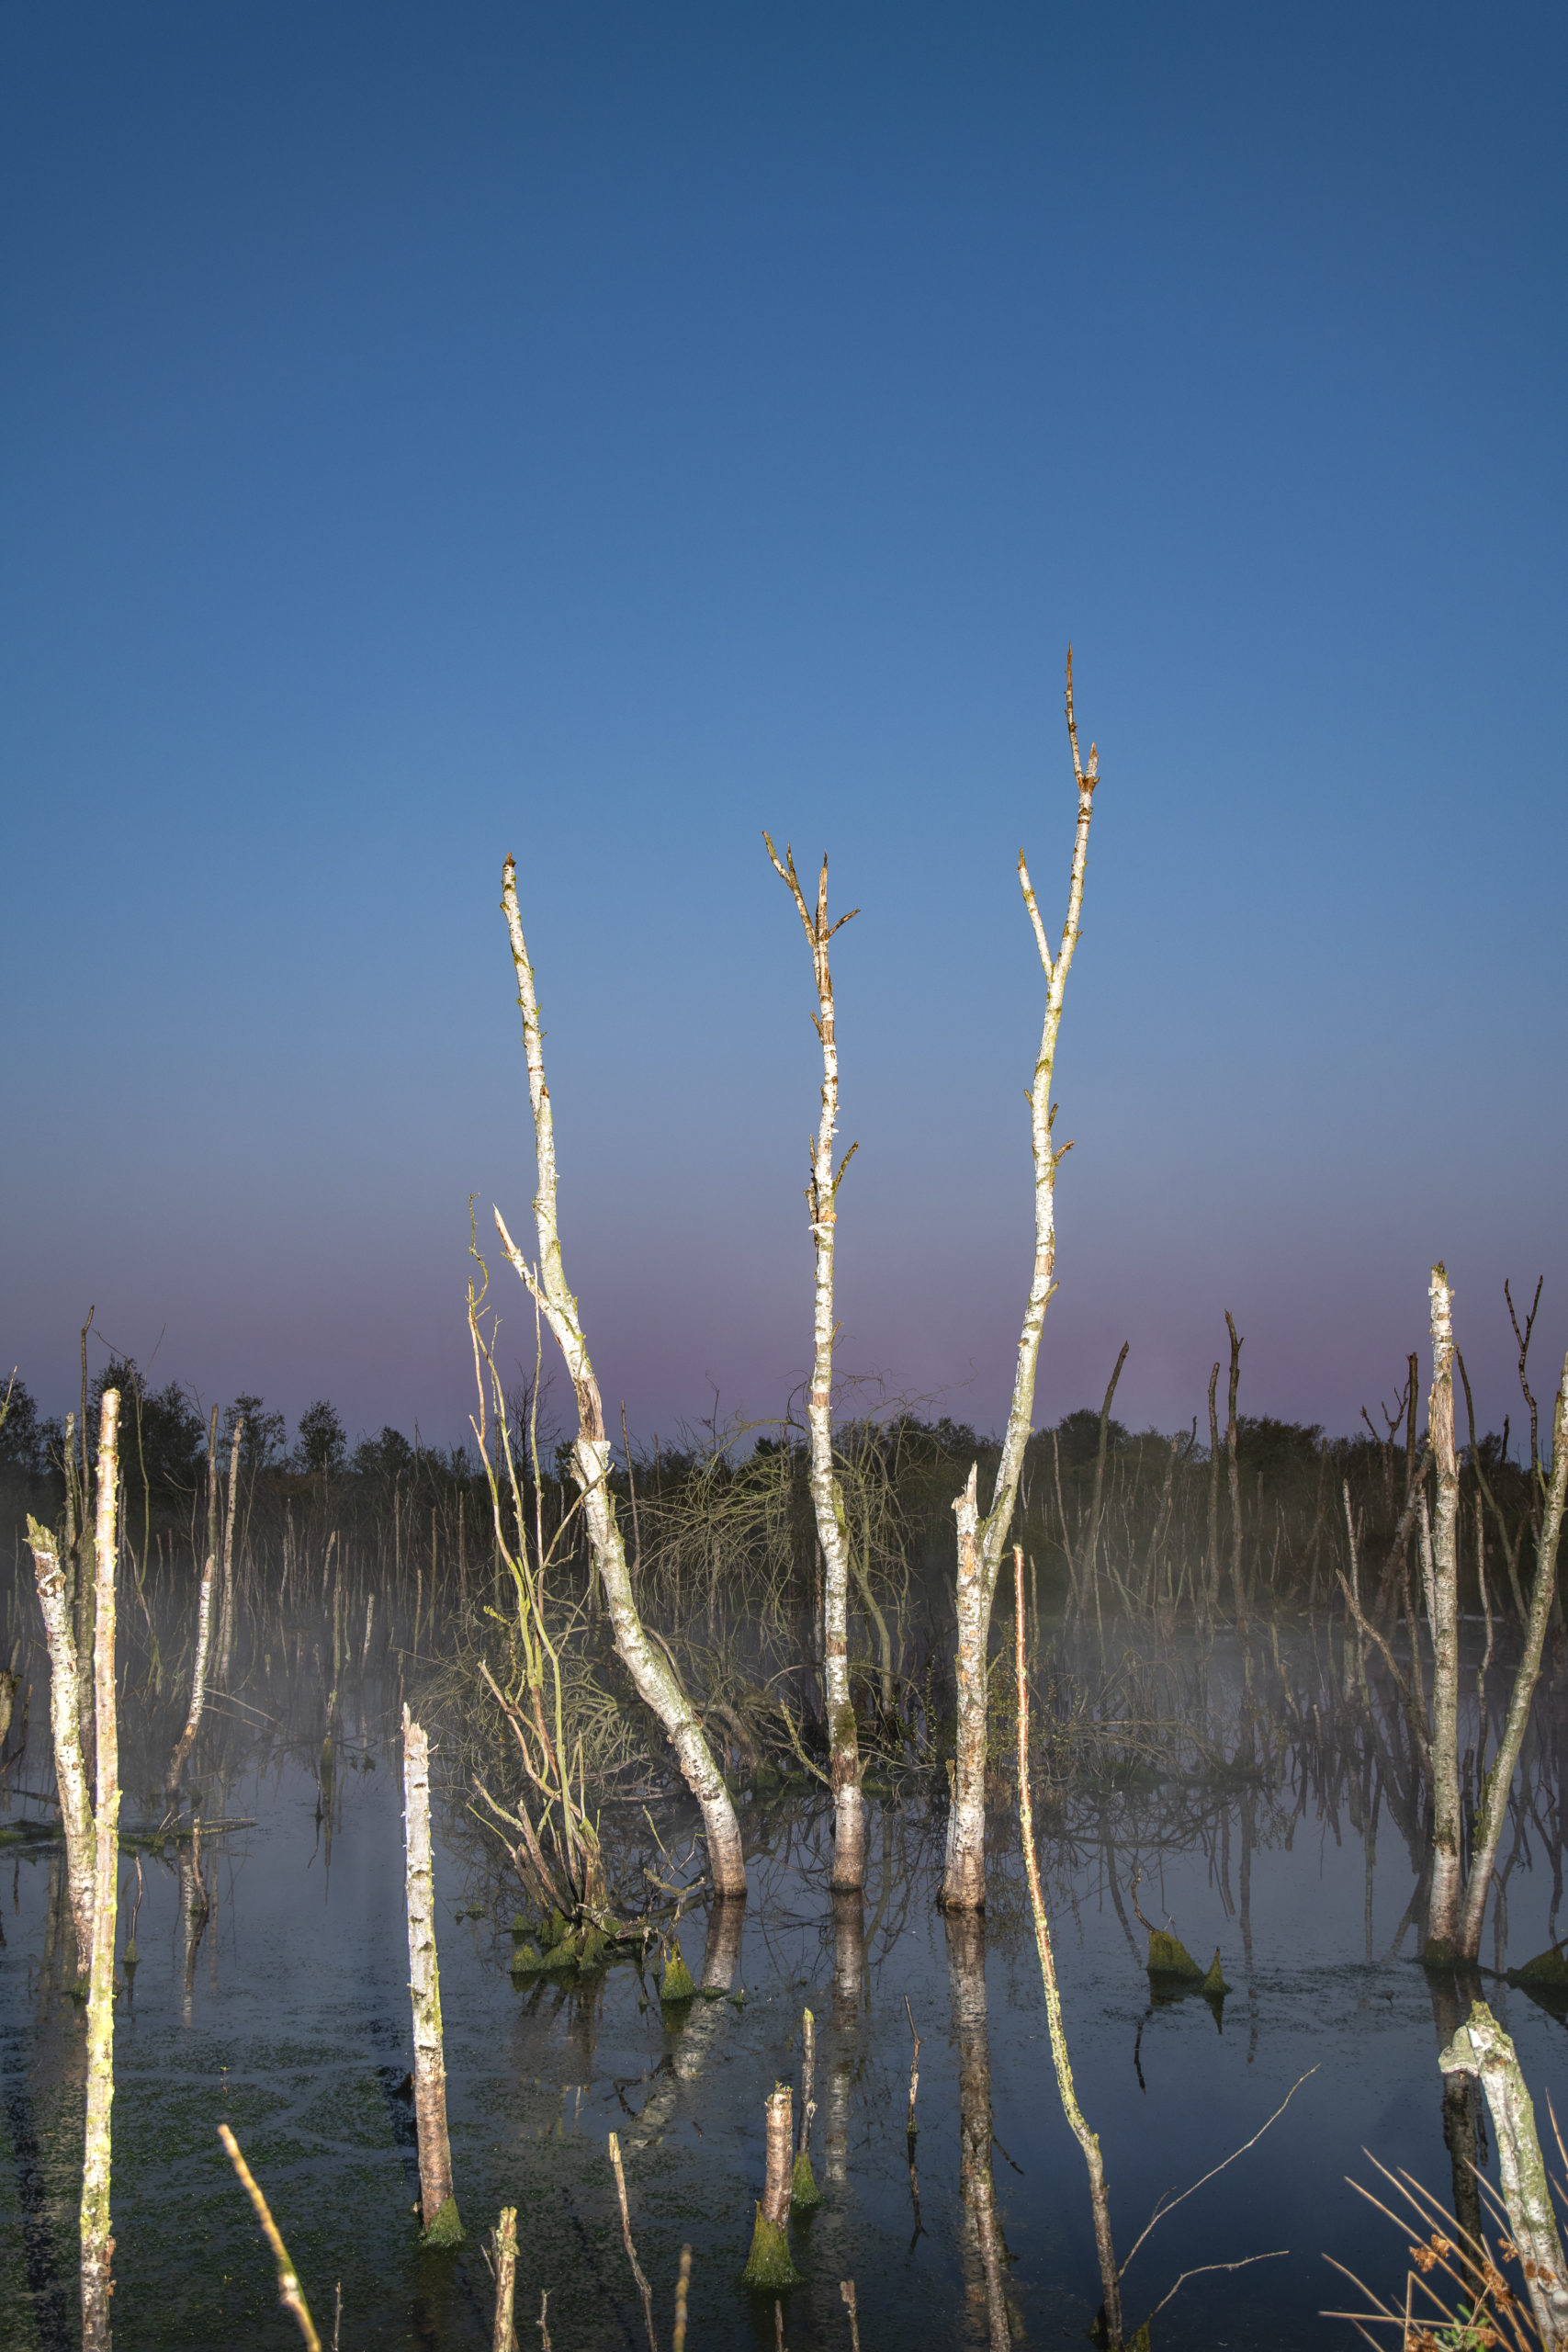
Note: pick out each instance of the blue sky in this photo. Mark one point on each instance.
(599, 433)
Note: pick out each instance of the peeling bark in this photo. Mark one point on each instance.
(1480, 2047)
(438, 2207)
(1446, 1885)
(65, 1719)
(98, 2245)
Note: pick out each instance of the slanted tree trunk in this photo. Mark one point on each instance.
(1447, 1880)
(963, 1883)
(1100, 1475)
(827, 1497)
(1232, 1473)
(438, 2207)
(1493, 1811)
(654, 1677)
(98, 2245)
(186, 1739)
(65, 1720)
(1480, 2047)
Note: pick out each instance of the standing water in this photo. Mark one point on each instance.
(269, 1992)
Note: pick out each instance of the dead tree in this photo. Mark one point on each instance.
(97, 2245)
(1457, 1903)
(982, 1543)
(827, 1496)
(653, 1675)
(1440, 1544)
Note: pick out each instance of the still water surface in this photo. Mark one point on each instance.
(293, 2027)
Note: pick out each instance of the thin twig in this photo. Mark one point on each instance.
(1273, 2254)
(1162, 2209)
(290, 2292)
(642, 2286)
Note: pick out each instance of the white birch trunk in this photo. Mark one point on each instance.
(655, 1679)
(964, 1884)
(65, 1719)
(822, 1201)
(97, 2245)
(1443, 1901)
(226, 1614)
(1493, 1808)
(186, 1739)
(438, 2207)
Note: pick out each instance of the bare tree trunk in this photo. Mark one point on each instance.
(1494, 1807)
(186, 1739)
(1232, 1472)
(226, 1614)
(438, 2207)
(75, 1806)
(1100, 1468)
(1443, 1899)
(1481, 2048)
(504, 2338)
(1213, 1494)
(655, 1679)
(964, 1884)
(826, 1498)
(98, 2245)
(964, 1888)
(769, 2266)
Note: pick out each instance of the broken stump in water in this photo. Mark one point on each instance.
(769, 2268)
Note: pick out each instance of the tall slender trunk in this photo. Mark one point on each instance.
(653, 1675)
(226, 1614)
(1233, 1476)
(438, 2207)
(65, 1720)
(98, 2245)
(1481, 2048)
(1446, 1885)
(963, 1883)
(1099, 1465)
(1493, 1808)
(1213, 1493)
(186, 1739)
(826, 1498)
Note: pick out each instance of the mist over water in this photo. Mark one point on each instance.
(1237, 1794)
